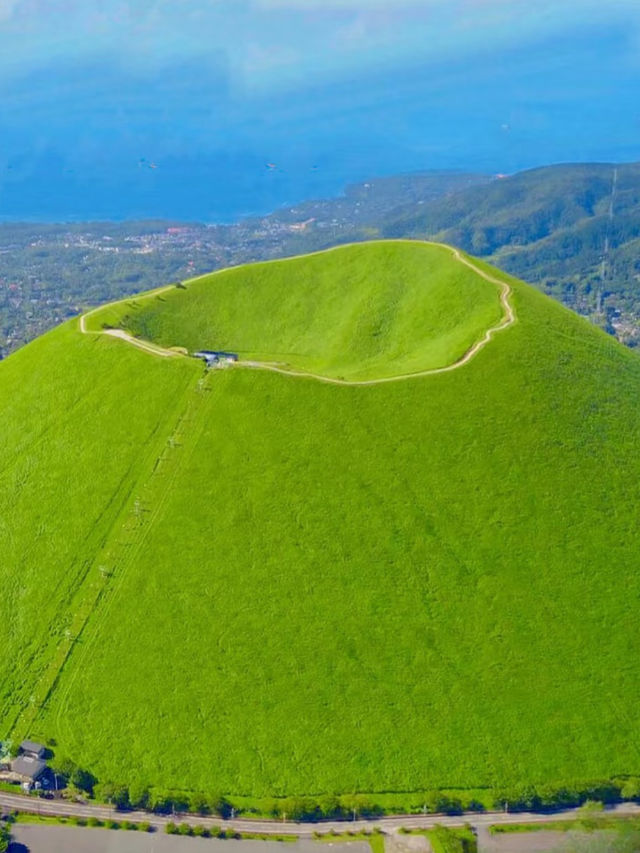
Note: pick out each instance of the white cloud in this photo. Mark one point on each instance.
(278, 43)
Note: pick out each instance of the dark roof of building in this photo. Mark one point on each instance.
(214, 353)
(32, 746)
(27, 766)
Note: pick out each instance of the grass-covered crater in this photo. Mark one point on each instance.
(357, 312)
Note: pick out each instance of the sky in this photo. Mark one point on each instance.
(118, 109)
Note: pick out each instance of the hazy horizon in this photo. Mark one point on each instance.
(211, 111)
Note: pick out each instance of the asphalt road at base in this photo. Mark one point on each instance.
(62, 808)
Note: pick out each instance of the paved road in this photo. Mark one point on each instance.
(62, 808)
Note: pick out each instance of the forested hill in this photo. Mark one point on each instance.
(572, 229)
(368, 203)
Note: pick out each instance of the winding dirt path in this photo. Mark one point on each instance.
(508, 319)
(147, 346)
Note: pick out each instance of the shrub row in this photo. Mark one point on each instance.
(512, 798)
(334, 833)
(202, 831)
(93, 822)
(108, 824)
(567, 795)
(172, 828)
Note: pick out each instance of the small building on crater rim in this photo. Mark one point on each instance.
(215, 358)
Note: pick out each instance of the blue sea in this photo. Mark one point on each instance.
(98, 143)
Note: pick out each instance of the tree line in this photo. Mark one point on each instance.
(542, 797)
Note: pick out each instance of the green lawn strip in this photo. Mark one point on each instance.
(586, 824)
(90, 823)
(142, 826)
(12, 788)
(375, 839)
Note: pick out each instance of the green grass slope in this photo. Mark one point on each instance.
(358, 312)
(316, 588)
(79, 416)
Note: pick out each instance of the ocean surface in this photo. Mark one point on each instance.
(97, 142)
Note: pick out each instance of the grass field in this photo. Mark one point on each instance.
(358, 312)
(320, 589)
(79, 418)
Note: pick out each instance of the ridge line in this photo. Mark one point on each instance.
(508, 319)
